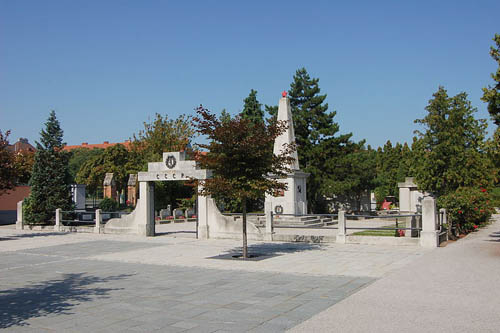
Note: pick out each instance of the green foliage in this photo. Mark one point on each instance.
(50, 177)
(450, 153)
(393, 164)
(23, 164)
(493, 151)
(109, 205)
(7, 165)
(495, 197)
(467, 207)
(491, 94)
(322, 154)
(114, 160)
(159, 136)
(252, 109)
(78, 157)
(240, 156)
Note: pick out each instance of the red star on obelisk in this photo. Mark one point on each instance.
(284, 93)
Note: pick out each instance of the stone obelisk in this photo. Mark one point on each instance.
(293, 200)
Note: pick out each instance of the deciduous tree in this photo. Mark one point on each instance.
(239, 156)
(7, 164)
(491, 94)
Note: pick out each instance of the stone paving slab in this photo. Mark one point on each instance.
(90, 295)
(72, 282)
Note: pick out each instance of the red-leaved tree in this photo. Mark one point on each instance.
(240, 155)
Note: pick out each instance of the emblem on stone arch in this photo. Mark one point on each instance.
(171, 162)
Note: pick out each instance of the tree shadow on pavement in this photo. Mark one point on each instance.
(55, 296)
(262, 251)
(494, 235)
(33, 235)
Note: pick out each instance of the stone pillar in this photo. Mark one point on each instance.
(98, 221)
(57, 227)
(109, 186)
(132, 189)
(429, 237)
(145, 213)
(269, 226)
(203, 231)
(404, 199)
(20, 221)
(341, 234)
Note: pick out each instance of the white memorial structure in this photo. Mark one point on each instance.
(293, 200)
(211, 223)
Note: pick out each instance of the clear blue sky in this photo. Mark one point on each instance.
(107, 66)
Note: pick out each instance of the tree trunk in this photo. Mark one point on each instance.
(245, 249)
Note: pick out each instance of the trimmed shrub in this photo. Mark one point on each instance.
(109, 205)
(467, 207)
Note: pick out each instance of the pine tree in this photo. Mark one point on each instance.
(50, 177)
(252, 109)
(321, 153)
(450, 153)
(491, 95)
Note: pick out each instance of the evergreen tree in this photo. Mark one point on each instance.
(491, 95)
(450, 153)
(252, 109)
(50, 177)
(321, 153)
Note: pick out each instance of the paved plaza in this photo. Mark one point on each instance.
(175, 283)
(76, 282)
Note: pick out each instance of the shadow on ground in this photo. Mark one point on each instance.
(263, 251)
(166, 233)
(32, 235)
(50, 297)
(495, 235)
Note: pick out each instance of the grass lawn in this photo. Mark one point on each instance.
(384, 233)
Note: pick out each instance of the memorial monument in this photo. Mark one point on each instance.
(294, 199)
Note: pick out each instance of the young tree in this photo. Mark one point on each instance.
(450, 153)
(50, 178)
(252, 109)
(7, 164)
(240, 159)
(491, 95)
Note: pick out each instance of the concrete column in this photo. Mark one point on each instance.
(404, 199)
(269, 226)
(20, 221)
(429, 236)
(57, 227)
(98, 221)
(146, 212)
(411, 222)
(444, 216)
(341, 234)
(203, 230)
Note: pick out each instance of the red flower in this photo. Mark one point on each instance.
(459, 212)
(475, 226)
(475, 208)
(483, 190)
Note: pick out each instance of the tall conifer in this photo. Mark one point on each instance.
(50, 178)
(252, 109)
